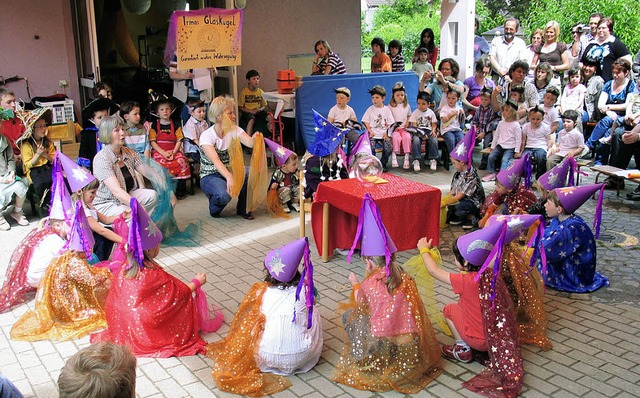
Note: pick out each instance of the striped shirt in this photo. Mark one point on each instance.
(397, 63)
(336, 64)
(105, 165)
(137, 140)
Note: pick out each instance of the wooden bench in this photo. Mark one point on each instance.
(611, 171)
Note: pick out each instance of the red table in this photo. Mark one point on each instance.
(410, 210)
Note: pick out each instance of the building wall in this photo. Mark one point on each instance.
(43, 61)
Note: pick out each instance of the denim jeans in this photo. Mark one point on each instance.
(539, 156)
(451, 138)
(622, 153)
(466, 208)
(215, 187)
(602, 129)
(507, 155)
(431, 148)
(386, 149)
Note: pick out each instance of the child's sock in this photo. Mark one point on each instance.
(463, 344)
(17, 209)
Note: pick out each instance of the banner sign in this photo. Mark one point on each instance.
(205, 38)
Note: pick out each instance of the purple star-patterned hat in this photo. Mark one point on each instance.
(571, 198)
(328, 136)
(557, 176)
(510, 177)
(281, 153)
(81, 236)
(77, 176)
(282, 264)
(143, 233)
(463, 152)
(517, 224)
(60, 208)
(363, 145)
(371, 233)
(481, 246)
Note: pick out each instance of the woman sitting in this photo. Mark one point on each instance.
(326, 61)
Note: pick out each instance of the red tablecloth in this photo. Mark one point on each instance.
(410, 210)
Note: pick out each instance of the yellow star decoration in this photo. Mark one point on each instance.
(316, 129)
(567, 191)
(324, 123)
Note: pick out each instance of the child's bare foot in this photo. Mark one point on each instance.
(353, 279)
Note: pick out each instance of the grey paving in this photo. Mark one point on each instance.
(595, 336)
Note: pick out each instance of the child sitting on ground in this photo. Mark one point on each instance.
(424, 126)
(277, 328)
(570, 140)
(137, 135)
(467, 193)
(507, 140)
(551, 115)
(485, 121)
(341, 112)
(450, 116)
(537, 140)
(92, 115)
(569, 243)
(390, 341)
(558, 177)
(401, 111)
(395, 53)
(377, 120)
(284, 188)
(192, 130)
(166, 142)
(252, 105)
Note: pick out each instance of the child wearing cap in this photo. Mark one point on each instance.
(507, 140)
(377, 120)
(467, 193)
(570, 143)
(390, 341)
(341, 112)
(558, 177)
(277, 330)
(92, 115)
(284, 188)
(423, 125)
(147, 309)
(569, 243)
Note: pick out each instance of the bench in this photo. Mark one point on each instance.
(611, 171)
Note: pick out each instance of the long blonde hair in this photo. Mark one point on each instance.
(395, 275)
(216, 112)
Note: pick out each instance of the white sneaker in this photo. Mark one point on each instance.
(416, 165)
(4, 225)
(433, 164)
(394, 160)
(407, 163)
(605, 140)
(286, 208)
(19, 217)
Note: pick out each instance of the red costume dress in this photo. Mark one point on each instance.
(166, 136)
(507, 204)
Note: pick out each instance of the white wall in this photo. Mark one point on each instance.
(462, 13)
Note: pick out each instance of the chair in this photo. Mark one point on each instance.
(305, 206)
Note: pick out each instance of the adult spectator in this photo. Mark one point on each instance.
(606, 48)
(578, 45)
(115, 167)
(536, 39)
(611, 104)
(473, 85)
(217, 147)
(636, 66)
(554, 52)
(542, 81)
(625, 145)
(427, 40)
(326, 61)
(515, 76)
(446, 79)
(183, 88)
(593, 81)
(507, 48)
(480, 45)
(594, 20)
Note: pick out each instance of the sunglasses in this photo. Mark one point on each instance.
(575, 32)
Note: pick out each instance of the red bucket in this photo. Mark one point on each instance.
(286, 81)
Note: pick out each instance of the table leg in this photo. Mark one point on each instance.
(325, 232)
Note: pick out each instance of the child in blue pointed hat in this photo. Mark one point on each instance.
(284, 188)
(391, 343)
(560, 176)
(277, 330)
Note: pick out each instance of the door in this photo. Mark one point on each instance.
(86, 47)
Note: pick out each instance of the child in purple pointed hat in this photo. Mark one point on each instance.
(560, 176)
(569, 242)
(284, 188)
(511, 193)
(144, 297)
(391, 343)
(71, 293)
(467, 193)
(276, 331)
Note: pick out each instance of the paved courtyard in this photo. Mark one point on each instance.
(595, 336)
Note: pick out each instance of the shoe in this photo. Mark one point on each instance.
(489, 177)
(343, 252)
(406, 164)
(457, 352)
(181, 195)
(295, 206)
(20, 218)
(482, 357)
(247, 216)
(4, 225)
(286, 208)
(635, 195)
(433, 164)
(467, 225)
(446, 165)
(483, 166)
(394, 160)
(416, 165)
(613, 183)
(605, 140)
(385, 169)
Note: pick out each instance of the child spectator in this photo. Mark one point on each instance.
(252, 105)
(192, 130)
(569, 243)
(277, 330)
(517, 95)
(423, 126)
(380, 61)
(551, 115)
(450, 116)
(10, 183)
(401, 111)
(377, 120)
(284, 188)
(102, 370)
(166, 142)
(485, 121)
(574, 93)
(558, 177)
(395, 53)
(390, 341)
(11, 126)
(137, 135)
(507, 140)
(102, 90)
(537, 140)
(341, 112)
(143, 296)
(92, 115)
(570, 140)
(467, 193)
(542, 81)
(422, 65)
(510, 194)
